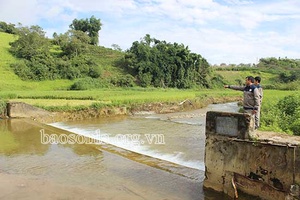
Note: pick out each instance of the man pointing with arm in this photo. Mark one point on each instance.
(251, 100)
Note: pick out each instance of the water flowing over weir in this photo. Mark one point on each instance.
(165, 160)
(175, 142)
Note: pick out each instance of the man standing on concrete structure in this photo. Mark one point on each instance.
(251, 101)
(257, 80)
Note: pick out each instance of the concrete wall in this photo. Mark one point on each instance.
(238, 157)
(23, 110)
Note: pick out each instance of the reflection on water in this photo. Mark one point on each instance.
(81, 166)
(14, 140)
(106, 170)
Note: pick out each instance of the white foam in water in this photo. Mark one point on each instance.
(134, 147)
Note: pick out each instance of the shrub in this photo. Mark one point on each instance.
(89, 83)
(290, 86)
(123, 81)
(295, 127)
(289, 108)
(2, 107)
(22, 70)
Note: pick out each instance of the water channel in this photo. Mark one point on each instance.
(144, 156)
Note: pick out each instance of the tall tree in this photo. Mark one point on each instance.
(163, 64)
(89, 26)
(74, 43)
(8, 28)
(32, 42)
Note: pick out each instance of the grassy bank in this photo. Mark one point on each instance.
(136, 99)
(117, 97)
(56, 96)
(68, 100)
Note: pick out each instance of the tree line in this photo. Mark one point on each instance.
(148, 62)
(161, 64)
(288, 70)
(67, 56)
(71, 55)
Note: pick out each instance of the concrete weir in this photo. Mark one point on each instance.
(23, 110)
(238, 158)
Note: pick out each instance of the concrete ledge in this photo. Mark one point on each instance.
(236, 125)
(237, 158)
(23, 110)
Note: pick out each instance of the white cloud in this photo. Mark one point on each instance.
(231, 31)
(115, 6)
(13, 11)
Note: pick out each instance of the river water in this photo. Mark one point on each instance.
(144, 156)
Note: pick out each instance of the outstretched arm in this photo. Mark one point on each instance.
(234, 87)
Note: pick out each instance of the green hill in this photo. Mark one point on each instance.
(234, 77)
(106, 58)
(9, 81)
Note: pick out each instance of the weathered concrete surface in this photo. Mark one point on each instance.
(23, 110)
(260, 164)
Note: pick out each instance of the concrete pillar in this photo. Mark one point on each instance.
(236, 160)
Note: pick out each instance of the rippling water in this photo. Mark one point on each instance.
(138, 157)
(178, 137)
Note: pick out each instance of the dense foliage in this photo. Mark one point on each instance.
(285, 71)
(282, 116)
(71, 55)
(7, 28)
(280, 63)
(288, 70)
(148, 62)
(89, 26)
(2, 107)
(68, 58)
(161, 64)
(289, 110)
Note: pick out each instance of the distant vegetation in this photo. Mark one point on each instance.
(74, 55)
(36, 68)
(278, 73)
(281, 113)
(147, 63)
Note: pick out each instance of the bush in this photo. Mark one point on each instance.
(217, 81)
(123, 81)
(290, 86)
(22, 70)
(289, 104)
(295, 127)
(89, 83)
(145, 79)
(2, 107)
(269, 87)
(289, 108)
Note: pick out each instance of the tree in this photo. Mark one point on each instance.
(163, 64)
(89, 26)
(289, 110)
(116, 47)
(32, 42)
(8, 28)
(74, 43)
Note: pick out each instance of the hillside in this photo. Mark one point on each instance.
(9, 81)
(106, 59)
(233, 77)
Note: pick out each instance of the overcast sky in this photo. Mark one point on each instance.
(222, 31)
